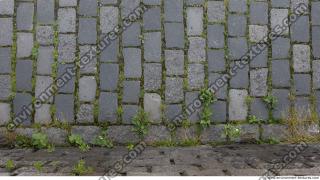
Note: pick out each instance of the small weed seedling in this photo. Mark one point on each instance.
(81, 169)
(231, 131)
(271, 101)
(103, 141)
(130, 146)
(78, 141)
(252, 119)
(38, 166)
(207, 98)
(10, 165)
(40, 141)
(141, 123)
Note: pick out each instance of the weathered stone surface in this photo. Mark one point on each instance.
(248, 133)
(109, 76)
(237, 25)
(315, 13)
(301, 58)
(174, 90)
(152, 47)
(241, 78)
(174, 61)
(122, 134)
(152, 2)
(219, 111)
(88, 7)
(216, 11)
(43, 114)
(131, 36)
(157, 134)
(62, 71)
(238, 109)
(185, 134)
(174, 35)
(280, 3)
(45, 11)
(197, 52)
(283, 104)
(152, 76)
(219, 86)
(239, 6)
(194, 21)
(21, 101)
(258, 82)
(298, 3)
(128, 6)
(237, 47)
(6, 31)
(24, 44)
(152, 105)
(44, 35)
(280, 48)
(64, 104)
(131, 92)
(129, 111)
(216, 60)
(7, 7)
(300, 29)
(5, 111)
(5, 87)
(87, 88)
(87, 30)
(63, 3)
(280, 73)
(257, 33)
(215, 36)
(24, 75)
(42, 83)
(108, 105)
(91, 63)
(261, 59)
(173, 10)
(193, 108)
(277, 17)
(67, 47)
(195, 76)
(88, 133)
(111, 52)
(67, 20)
(274, 131)
(316, 41)
(259, 109)
(25, 12)
(85, 113)
(5, 60)
(108, 18)
(132, 62)
(152, 19)
(302, 84)
(213, 134)
(56, 136)
(258, 13)
(171, 111)
(316, 74)
(45, 60)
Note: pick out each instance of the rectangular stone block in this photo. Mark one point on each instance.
(88, 7)
(43, 114)
(280, 3)
(302, 84)
(64, 104)
(5, 113)
(152, 46)
(215, 36)
(213, 134)
(194, 21)
(237, 25)
(110, 53)
(316, 74)
(195, 76)
(173, 10)
(67, 20)
(174, 35)
(5, 87)
(259, 109)
(64, 76)
(129, 111)
(131, 36)
(24, 75)
(241, 77)
(7, 7)
(277, 18)
(45, 60)
(24, 44)
(174, 61)
(258, 82)
(258, 13)
(128, 6)
(41, 92)
(131, 92)
(6, 31)
(216, 11)
(219, 112)
(216, 60)
(280, 48)
(197, 49)
(238, 109)
(301, 58)
(174, 90)
(192, 112)
(280, 73)
(300, 29)
(91, 65)
(87, 31)
(44, 35)
(283, 103)
(316, 41)
(152, 19)
(108, 18)
(87, 88)
(275, 131)
(67, 47)
(45, 11)
(238, 47)
(108, 105)
(261, 59)
(152, 76)
(109, 76)
(315, 13)
(21, 101)
(25, 16)
(5, 60)
(132, 62)
(220, 87)
(65, 3)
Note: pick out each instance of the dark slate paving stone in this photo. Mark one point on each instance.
(172, 111)
(19, 102)
(173, 10)
(65, 107)
(88, 7)
(189, 98)
(109, 2)
(129, 111)
(237, 25)
(283, 103)
(132, 62)
(259, 109)
(260, 60)
(70, 86)
(238, 47)
(87, 31)
(258, 13)
(222, 91)
(152, 47)
(24, 75)
(300, 30)
(109, 76)
(316, 41)
(25, 16)
(45, 11)
(5, 60)
(111, 52)
(174, 35)
(216, 60)
(239, 6)
(219, 111)
(302, 84)
(131, 92)
(108, 105)
(131, 36)
(280, 48)
(45, 60)
(45, 35)
(315, 13)
(152, 19)
(280, 73)
(241, 79)
(215, 36)
(6, 31)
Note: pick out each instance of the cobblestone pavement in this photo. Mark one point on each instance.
(159, 63)
(201, 160)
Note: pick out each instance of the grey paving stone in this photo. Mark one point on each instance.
(88, 133)
(108, 18)
(132, 62)
(238, 109)
(174, 90)
(316, 41)
(316, 74)
(274, 131)
(214, 82)
(261, 59)
(276, 17)
(213, 134)
(70, 86)
(197, 52)
(131, 92)
(20, 101)
(174, 61)
(5, 60)
(196, 76)
(280, 48)
(302, 84)
(67, 47)
(45, 60)
(91, 66)
(45, 35)
(280, 73)
(107, 2)
(283, 104)
(64, 3)
(131, 36)
(24, 75)
(108, 105)
(122, 134)
(152, 76)
(216, 60)
(110, 53)
(317, 104)
(258, 33)
(24, 44)
(85, 113)
(7, 7)
(152, 2)
(157, 134)
(315, 13)
(128, 6)
(280, 3)
(185, 134)
(5, 87)
(216, 11)
(67, 20)
(300, 29)
(259, 109)
(296, 3)
(237, 25)
(64, 104)
(171, 111)
(152, 19)
(43, 114)
(194, 2)
(258, 13)
(173, 10)
(219, 111)
(301, 58)
(88, 7)
(25, 12)
(87, 31)
(241, 78)
(258, 82)
(152, 47)
(45, 11)
(129, 111)
(6, 31)
(248, 132)
(109, 76)
(5, 111)
(239, 6)
(42, 83)
(302, 104)
(194, 21)
(215, 36)
(152, 106)
(87, 88)
(174, 35)
(237, 47)
(192, 111)
(56, 136)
